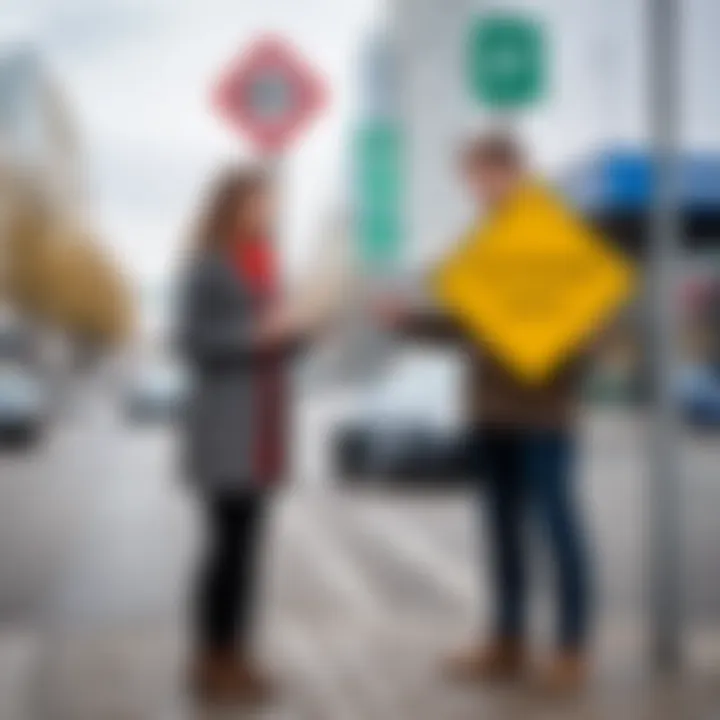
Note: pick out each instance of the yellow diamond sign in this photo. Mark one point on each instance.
(533, 283)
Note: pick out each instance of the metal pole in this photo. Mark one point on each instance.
(665, 525)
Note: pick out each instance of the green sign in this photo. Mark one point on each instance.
(507, 60)
(378, 201)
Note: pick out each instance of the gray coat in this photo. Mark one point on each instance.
(215, 337)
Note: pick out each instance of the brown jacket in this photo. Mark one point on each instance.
(495, 395)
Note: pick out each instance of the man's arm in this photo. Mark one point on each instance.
(418, 324)
(431, 327)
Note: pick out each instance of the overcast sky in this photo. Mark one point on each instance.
(138, 74)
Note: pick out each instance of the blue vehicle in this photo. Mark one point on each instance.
(614, 188)
(699, 395)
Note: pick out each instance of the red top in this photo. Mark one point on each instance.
(256, 264)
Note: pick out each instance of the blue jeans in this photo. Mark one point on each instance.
(528, 475)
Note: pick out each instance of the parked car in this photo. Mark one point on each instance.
(17, 342)
(405, 427)
(156, 391)
(24, 405)
(699, 396)
(410, 454)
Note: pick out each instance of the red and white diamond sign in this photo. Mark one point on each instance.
(269, 94)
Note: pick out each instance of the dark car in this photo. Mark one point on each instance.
(23, 405)
(408, 454)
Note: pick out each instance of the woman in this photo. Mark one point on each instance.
(236, 338)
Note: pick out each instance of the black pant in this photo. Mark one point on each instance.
(227, 584)
(528, 476)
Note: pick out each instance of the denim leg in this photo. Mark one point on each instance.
(549, 458)
(503, 503)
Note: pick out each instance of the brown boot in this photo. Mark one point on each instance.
(500, 661)
(221, 678)
(565, 675)
(252, 682)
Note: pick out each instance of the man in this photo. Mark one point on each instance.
(524, 436)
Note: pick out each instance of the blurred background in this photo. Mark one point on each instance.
(107, 140)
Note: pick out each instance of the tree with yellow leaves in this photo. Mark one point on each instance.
(58, 272)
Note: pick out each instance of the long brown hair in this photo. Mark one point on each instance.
(218, 219)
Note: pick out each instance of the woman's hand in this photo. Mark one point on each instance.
(278, 326)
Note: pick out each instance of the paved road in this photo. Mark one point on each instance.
(365, 590)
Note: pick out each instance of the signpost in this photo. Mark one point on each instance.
(665, 524)
(533, 283)
(269, 94)
(378, 184)
(506, 61)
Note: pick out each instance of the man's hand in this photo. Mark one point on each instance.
(389, 311)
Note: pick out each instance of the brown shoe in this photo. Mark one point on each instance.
(500, 661)
(253, 683)
(221, 678)
(565, 675)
